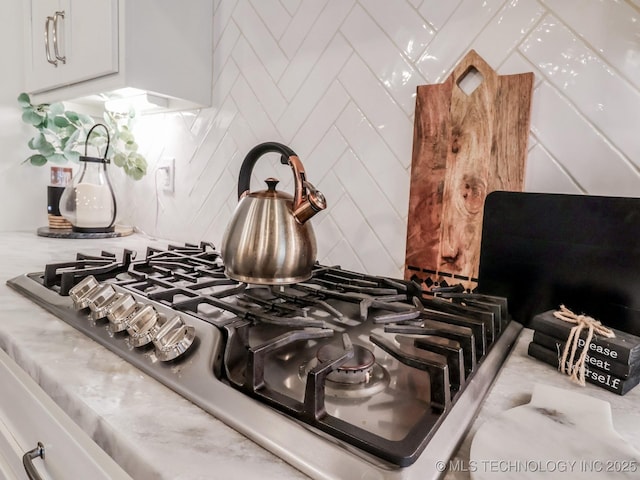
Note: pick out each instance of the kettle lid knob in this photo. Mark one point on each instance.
(271, 183)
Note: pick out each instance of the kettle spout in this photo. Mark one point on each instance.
(312, 203)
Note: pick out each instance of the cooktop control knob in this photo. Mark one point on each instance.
(121, 311)
(99, 300)
(173, 338)
(141, 326)
(80, 293)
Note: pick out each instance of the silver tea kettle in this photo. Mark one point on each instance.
(269, 239)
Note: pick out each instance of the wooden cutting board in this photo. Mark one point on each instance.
(465, 145)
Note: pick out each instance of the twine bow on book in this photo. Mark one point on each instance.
(577, 371)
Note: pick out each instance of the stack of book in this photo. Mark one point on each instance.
(611, 363)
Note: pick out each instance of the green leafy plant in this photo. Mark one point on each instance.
(59, 131)
(61, 135)
(123, 143)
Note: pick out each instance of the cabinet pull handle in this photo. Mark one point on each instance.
(56, 16)
(47, 49)
(27, 462)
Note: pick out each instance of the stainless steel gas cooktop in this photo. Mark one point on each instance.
(345, 375)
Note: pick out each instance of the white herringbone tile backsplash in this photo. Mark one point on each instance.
(336, 80)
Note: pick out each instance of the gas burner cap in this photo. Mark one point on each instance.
(376, 381)
(172, 338)
(355, 370)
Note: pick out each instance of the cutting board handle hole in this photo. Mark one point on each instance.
(470, 80)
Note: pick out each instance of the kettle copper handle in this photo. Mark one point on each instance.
(307, 201)
(288, 157)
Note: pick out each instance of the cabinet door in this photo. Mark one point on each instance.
(70, 41)
(29, 416)
(10, 455)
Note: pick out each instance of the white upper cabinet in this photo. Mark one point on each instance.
(88, 50)
(71, 41)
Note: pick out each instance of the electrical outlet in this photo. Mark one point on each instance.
(167, 174)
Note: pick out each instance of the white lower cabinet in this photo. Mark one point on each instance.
(28, 418)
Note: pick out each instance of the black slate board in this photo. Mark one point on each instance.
(543, 250)
(68, 233)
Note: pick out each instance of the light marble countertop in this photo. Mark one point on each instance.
(154, 433)
(514, 387)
